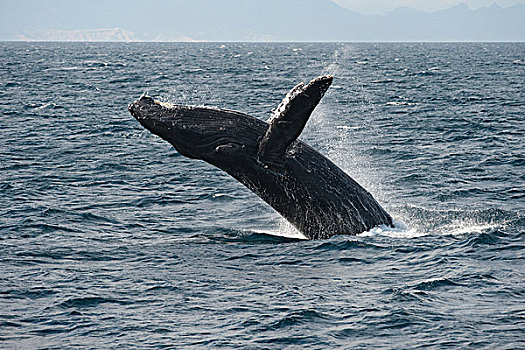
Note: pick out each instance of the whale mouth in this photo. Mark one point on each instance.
(138, 108)
(145, 108)
(153, 116)
(172, 123)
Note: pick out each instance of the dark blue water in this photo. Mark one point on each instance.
(110, 239)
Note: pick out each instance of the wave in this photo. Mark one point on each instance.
(88, 302)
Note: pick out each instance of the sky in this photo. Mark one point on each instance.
(383, 6)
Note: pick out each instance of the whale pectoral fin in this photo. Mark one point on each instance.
(289, 119)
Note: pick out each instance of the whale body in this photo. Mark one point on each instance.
(306, 188)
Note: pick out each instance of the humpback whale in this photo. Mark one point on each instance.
(306, 188)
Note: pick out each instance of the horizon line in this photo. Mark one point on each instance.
(262, 41)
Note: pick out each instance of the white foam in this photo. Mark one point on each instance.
(346, 127)
(400, 103)
(46, 105)
(400, 230)
(417, 228)
(463, 228)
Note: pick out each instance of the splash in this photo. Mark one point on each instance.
(338, 57)
(400, 230)
(453, 222)
(342, 149)
(284, 234)
(285, 229)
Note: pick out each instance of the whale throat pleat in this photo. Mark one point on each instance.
(289, 119)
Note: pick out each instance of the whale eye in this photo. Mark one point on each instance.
(228, 148)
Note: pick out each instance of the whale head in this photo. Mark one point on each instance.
(196, 132)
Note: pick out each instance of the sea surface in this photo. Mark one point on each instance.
(109, 239)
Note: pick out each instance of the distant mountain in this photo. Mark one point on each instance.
(116, 34)
(249, 20)
(458, 23)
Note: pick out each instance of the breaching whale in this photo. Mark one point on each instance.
(305, 187)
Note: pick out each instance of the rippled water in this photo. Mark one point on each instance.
(110, 239)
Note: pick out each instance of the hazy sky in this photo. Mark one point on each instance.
(382, 6)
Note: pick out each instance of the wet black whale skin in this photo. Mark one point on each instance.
(306, 188)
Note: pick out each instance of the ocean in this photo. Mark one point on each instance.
(109, 239)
